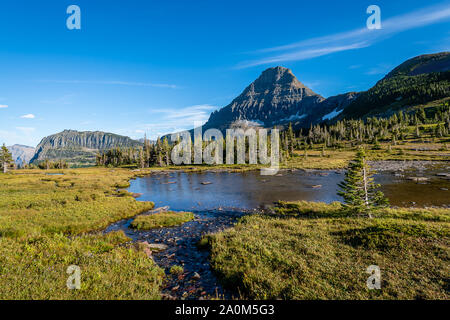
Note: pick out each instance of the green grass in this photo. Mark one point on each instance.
(43, 221)
(314, 251)
(176, 270)
(161, 219)
(36, 268)
(302, 250)
(81, 200)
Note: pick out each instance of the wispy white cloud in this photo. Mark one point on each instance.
(171, 120)
(304, 54)
(3, 106)
(114, 82)
(188, 114)
(351, 40)
(26, 130)
(28, 116)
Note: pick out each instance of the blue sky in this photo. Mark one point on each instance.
(158, 66)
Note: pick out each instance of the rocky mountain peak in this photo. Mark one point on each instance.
(277, 79)
(275, 95)
(278, 76)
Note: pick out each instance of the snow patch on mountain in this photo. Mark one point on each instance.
(294, 117)
(332, 114)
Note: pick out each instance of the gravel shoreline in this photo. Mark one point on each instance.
(390, 165)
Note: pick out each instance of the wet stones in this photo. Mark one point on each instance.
(157, 246)
(145, 247)
(418, 179)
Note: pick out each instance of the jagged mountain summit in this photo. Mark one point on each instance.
(277, 97)
(21, 154)
(79, 147)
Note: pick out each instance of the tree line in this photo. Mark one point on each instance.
(434, 122)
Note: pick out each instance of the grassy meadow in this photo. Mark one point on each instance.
(49, 220)
(308, 250)
(161, 219)
(47, 223)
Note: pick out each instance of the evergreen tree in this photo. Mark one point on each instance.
(291, 137)
(358, 189)
(5, 158)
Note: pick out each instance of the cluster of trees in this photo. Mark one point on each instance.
(151, 154)
(158, 153)
(434, 122)
(402, 90)
(394, 128)
(47, 164)
(7, 162)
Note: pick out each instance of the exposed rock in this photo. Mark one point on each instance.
(399, 166)
(436, 62)
(434, 71)
(158, 246)
(145, 247)
(277, 97)
(418, 179)
(21, 154)
(79, 147)
(196, 276)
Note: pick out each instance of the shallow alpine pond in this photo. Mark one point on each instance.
(219, 198)
(223, 190)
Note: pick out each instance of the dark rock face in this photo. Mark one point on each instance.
(79, 147)
(277, 98)
(436, 62)
(325, 111)
(416, 81)
(21, 154)
(274, 96)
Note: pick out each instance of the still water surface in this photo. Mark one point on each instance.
(247, 190)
